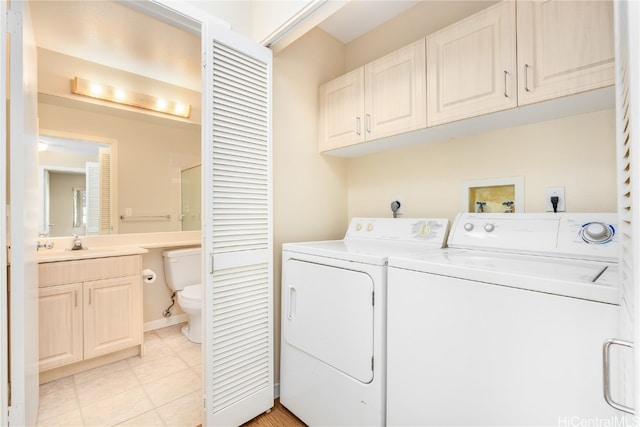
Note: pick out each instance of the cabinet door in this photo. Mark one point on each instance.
(395, 92)
(471, 66)
(112, 315)
(342, 111)
(564, 47)
(60, 325)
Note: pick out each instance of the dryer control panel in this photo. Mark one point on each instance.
(572, 235)
(399, 229)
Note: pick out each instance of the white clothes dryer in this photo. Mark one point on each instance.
(506, 326)
(334, 319)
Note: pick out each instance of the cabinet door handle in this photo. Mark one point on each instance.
(358, 125)
(526, 77)
(75, 296)
(368, 123)
(606, 383)
(89, 296)
(505, 84)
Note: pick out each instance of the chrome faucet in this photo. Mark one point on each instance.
(77, 243)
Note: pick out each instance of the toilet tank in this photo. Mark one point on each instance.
(182, 267)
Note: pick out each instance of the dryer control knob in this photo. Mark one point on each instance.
(596, 232)
(468, 226)
(369, 227)
(358, 226)
(489, 228)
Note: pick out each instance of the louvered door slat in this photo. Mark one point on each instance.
(239, 234)
(628, 162)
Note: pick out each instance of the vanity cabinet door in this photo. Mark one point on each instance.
(60, 325)
(112, 315)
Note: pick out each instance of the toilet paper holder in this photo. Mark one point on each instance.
(149, 276)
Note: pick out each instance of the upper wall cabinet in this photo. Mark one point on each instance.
(471, 68)
(503, 60)
(564, 47)
(385, 97)
(342, 111)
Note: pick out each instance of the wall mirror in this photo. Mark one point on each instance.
(77, 189)
(85, 190)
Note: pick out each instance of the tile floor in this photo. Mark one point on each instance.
(163, 388)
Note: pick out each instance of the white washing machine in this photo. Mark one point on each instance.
(506, 326)
(334, 319)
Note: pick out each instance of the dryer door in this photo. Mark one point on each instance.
(328, 314)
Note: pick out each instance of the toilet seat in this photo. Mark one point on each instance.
(192, 293)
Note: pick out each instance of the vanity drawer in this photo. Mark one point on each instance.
(57, 273)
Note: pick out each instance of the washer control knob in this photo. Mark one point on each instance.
(358, 226)
(369, 227)
(425, 229)
(468, 226)
(489, 228)
(596, 232)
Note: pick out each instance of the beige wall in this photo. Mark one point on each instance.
(576, 152)
(310, 193)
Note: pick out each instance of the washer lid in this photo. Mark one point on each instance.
(591, 280)
(192, 293)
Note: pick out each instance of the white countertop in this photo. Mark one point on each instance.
(52, 255)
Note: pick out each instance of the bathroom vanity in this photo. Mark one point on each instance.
(90, 309)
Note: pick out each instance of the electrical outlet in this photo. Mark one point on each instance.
(398, 199)
(555, 192)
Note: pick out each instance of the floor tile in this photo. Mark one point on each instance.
(58, 398)
(69, 419)
(186, 411)
(192, 355)
(174, 386)
(163, 388)
(116, 409)
(158, 368)
(97, 373)
(148, 419)
(107, 385)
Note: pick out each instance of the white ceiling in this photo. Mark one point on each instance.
(108, 33)
(361, 16)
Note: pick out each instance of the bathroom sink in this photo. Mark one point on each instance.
(48, 255)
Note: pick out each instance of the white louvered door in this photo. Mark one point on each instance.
(104, 221)
(238, 312)
(627, 15)
(93, 197)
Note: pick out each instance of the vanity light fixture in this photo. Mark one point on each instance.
(91, 89)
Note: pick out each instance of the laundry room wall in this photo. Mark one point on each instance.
(575, 152)
(310, 190)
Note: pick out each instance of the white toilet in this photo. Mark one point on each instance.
(183, 274)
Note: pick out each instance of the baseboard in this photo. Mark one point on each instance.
(276, 390)
(165, 321)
